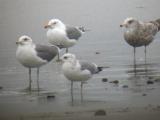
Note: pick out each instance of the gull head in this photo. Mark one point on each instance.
(129, 23)
(68, 57)
(24, 40)
(53, 23)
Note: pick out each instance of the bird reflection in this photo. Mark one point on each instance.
(141, 69)
(139, 74)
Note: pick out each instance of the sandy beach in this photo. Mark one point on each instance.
(146, 113)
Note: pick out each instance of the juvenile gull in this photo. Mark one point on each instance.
(140, 33)
(62, 35)
(31, 55)
(75, 70)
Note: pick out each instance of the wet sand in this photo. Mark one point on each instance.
(123, 94)
(123, 113)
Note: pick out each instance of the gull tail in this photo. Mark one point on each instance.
(158, 23)
(100, 68)
(83, 29)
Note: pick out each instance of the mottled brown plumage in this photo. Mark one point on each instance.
(140, 33)
(157, 23)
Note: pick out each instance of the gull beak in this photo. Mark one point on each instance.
(17, 42)
(121, 25)
(47, 26)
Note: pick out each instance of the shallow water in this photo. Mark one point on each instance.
(106, 37)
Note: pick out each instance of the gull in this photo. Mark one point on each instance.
(140, 33)
(78, 71)
(32, 55)
(61, 35)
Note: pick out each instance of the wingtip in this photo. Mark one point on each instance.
(158, 22)
(83, 29)
(100, 69)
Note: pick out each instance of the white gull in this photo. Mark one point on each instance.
(61, 35)
(31, 55)
(80, 71)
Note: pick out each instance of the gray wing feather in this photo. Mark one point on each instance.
(73, 32)
(46, 52)
(89, 66)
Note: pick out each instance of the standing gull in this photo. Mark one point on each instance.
(140, 33)
(75, 70)
(62, 35)
(34, 56)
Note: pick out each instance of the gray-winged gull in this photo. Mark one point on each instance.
(31, 55)
(140, 33)
(75, 70)
(61, 35)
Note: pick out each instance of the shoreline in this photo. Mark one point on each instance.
(122, 113)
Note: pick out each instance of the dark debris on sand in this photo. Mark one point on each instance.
(1, 87)
(125, 86)
(100, 113)
(97, 52)
(150, 82)
(114, 81)
(104, 79)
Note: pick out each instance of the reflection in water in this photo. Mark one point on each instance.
(135, 64)
(139, 74)
(142, 69)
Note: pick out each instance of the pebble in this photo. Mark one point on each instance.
(150, 82)
(125, 86)
(49, 97)
(100, 113)
(1, 87)
(104, 80)
(144, 94)
(115, 81)
(157, 80)
(97, 52)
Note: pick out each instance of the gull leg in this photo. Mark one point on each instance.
(81, 91)
(135, 60)
(72, 91)
(58, 59)
(30, 79)
(145, 51)
(38, 79)
(58, 56)
(66, 50)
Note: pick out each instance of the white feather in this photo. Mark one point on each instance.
(26, 55)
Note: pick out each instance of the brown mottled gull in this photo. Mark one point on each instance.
(140, 33)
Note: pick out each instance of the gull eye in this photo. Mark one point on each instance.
(25, 39)
(54, 23)
(65, 57)
(131, 21)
